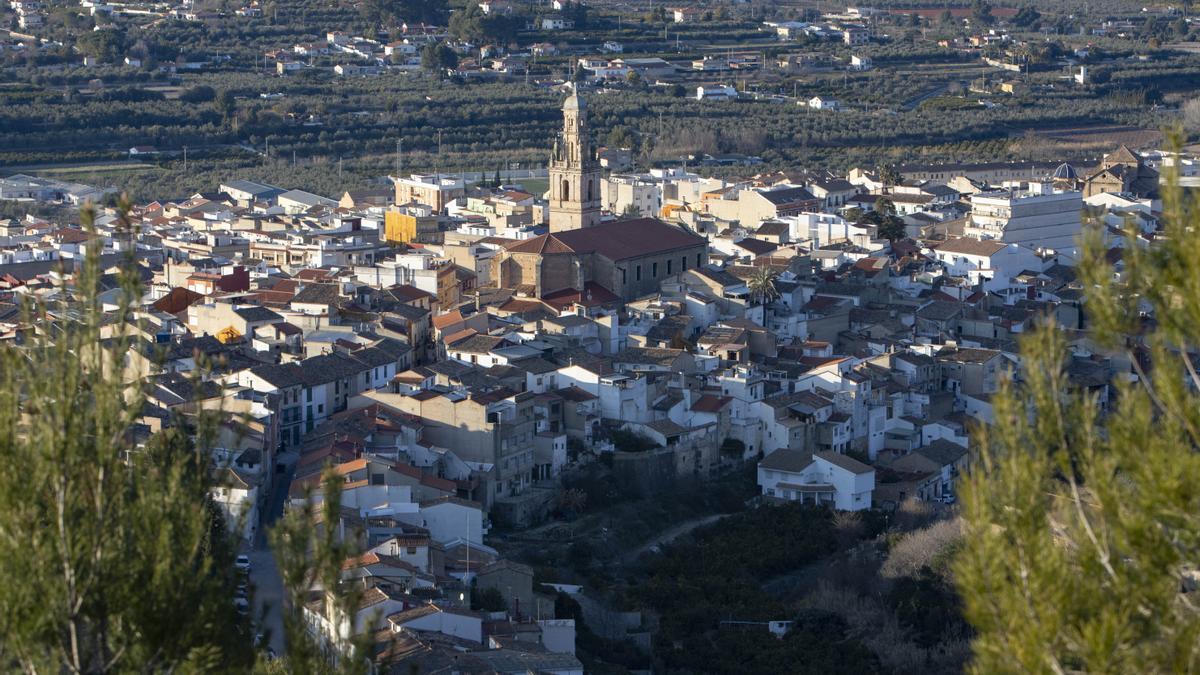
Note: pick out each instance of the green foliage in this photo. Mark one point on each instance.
(718, 575)
(470, 24)
(112, 557)
(630, 441)
(818, 643)
(892, 228)
(929, 607)
(1082, 523)
(619, 137)
(888, 175)
(981, 12)
(488, 600)
(761, 284)
(1027, 17)
(104, 45)
(438, 57)
(225, 104)
(396, 12)
(198, 94)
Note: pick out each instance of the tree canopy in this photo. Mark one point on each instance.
(1083, 516)
(471, 24)
(113, 556)
(395, 12)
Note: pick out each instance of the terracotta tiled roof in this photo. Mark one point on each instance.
(177, 300)
(711, 404)
(442, 320)
(616, 241)
(970, 246)
(593, 295)
(545, 245)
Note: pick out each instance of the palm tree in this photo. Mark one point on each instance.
(762, 284)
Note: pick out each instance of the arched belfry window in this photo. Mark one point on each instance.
(566, 191)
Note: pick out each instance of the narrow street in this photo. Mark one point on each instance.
(264, 574)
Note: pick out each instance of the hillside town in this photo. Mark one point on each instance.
(454, 351)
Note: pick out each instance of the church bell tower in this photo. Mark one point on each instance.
(574, 172)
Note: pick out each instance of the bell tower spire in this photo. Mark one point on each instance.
(574, 172)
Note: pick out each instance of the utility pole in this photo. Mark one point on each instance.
(185, 159)
(293, 158)
(437, 169)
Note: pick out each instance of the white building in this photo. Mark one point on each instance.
(236, 495)
(843, 482)
(855, 35)
(821, 103)
(1037, 216)
(717, 92)
(622, 193)
(826, 228)
(985, 259)
(298, 201)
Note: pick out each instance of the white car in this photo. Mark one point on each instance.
(242, 563)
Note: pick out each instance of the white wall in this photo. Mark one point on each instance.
(455, 625)
(447, 521)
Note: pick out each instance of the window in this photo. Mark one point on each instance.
(698, 263)
(308, 395)
(320, 408)
(566, 191)
(683, 264)
(654, 270)
(637, 272)
(669, 267)
(337, 386)
(590, 186)
(412, 550)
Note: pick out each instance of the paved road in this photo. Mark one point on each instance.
(264, 575)
(671, 534)
(921, 98)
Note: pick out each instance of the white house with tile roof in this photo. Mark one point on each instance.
(829, 478)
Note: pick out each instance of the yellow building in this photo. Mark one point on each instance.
(406, 225)
(399, 227)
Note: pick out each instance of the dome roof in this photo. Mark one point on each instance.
(574, 102)
(1065, 172)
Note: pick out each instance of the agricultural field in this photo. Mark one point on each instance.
(235, 116)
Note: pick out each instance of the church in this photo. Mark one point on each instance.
(1122, 171)
(623, 259)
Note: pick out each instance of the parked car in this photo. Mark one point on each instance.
(242, 605)
(242, 563)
